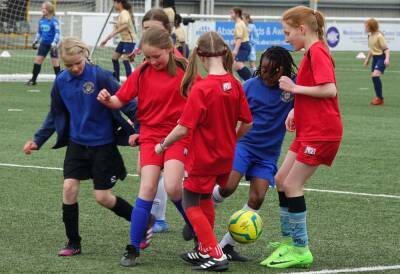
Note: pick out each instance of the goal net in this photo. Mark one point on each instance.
(19, 21)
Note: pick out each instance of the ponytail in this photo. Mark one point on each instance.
(190, 74)
(228, 59)
(320, 25)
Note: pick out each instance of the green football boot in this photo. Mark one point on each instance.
(294, 257)
(280, 249)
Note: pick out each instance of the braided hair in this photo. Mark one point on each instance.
(279, 59)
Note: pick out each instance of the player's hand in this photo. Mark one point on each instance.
(290, 121)
(53, 48)
(286, 84)
(386, 62)
(35, 45)
(158, 149)
(29, 146)
(133, 140)
(103, 43)
(104, 96)
(137, 51)
(131, 57)
(366, 62)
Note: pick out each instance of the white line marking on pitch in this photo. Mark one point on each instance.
(350, 270)
(14, 109)
(33, 90)
(242, 184)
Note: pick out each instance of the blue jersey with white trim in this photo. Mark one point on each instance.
(269, 107)
(48, 31)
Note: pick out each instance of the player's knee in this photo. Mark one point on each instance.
(174, 191)
(256, 198)
(227, 190)
(279, 181)
(104, 198)
(70, 192)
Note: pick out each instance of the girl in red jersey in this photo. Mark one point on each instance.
(316, 120)
(214, 107)
(156, 84)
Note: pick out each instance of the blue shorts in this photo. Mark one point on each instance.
(253, 54)
(251, 165)
(44, 49)
(244, 52)
(378, 63)
(125, 47)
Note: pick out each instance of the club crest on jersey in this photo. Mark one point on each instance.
(286, 96)
(227, 86)
(88, 88)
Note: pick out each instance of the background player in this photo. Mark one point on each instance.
(125, 28)
(241, 47)
(253, 39)
(214, 107)
(379, 52)
(316, 119)
(47, 36)
(257, 153)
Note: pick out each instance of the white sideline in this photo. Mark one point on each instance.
(242, 184)
(350, 270)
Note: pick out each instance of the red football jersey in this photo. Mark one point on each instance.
(214, 107)
(160, 103)
(317, 119)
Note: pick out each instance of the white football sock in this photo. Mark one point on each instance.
(227, 239)
(160, 201)
(246, 207)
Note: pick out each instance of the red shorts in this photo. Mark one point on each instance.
(148, 156)
(205, 184)
(315, 153)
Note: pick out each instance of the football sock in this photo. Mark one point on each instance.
(56, 70)
(178, 205)
(139, 220)
(216, 195)
(128, 68)
(160, 201)
(116, 68)
(204, 232)
(244, 73)
(123, 209)
(227, 240)
(284, 214)
(35, 71)
(297, 220)
(247, 208)
(378, 87)
(207, 206)
(71, 222)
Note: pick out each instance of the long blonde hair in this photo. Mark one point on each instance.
(160, 38)
(50, 8)
(70, 46)
(209, 44)
(302, 15)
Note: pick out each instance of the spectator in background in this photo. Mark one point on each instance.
(180, 37)
(253, 39)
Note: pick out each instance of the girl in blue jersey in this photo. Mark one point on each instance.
(47, 36)
(91, 132)
(257, 153)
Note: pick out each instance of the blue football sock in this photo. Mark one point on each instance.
(378, 87)
(128, 68)
(178, 205)
(116, 68)
(297, 220)
(285, 227)
(139, 220)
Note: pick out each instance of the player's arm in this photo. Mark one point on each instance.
(369, 55)
(175, 135)
(119, 29)
(57, 33)
(327, 90)
(109, 101)
(37, 37)
(242, 129)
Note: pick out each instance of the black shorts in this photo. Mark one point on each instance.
(43, 50)
(103, 164)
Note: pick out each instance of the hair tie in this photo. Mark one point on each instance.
(210, 54)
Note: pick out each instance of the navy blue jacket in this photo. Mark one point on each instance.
(57, 119)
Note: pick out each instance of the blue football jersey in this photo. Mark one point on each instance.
(48, 31)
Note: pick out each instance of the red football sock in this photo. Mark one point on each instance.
(204, 231)
(207, 205)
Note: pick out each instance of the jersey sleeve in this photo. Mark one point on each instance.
(382, 42)
(38, 33)
(56, 31)
(245, 113)
(124, 18)
(129, 89)
(322, 66)
(194, 111)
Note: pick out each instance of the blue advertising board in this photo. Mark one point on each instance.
(270, 34)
